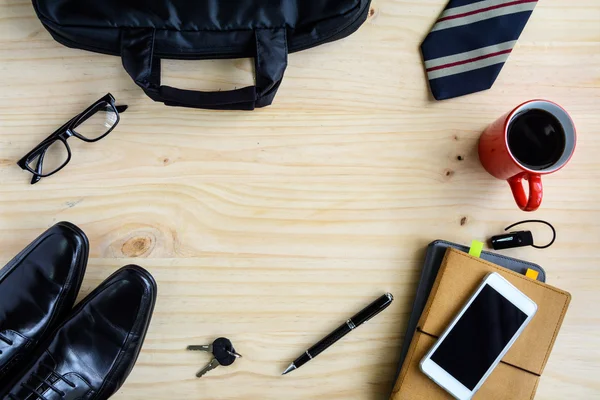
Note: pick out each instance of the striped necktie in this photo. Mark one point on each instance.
(470, 43)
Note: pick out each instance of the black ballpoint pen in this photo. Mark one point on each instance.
(363, 316)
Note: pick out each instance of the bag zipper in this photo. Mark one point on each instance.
(346, 30)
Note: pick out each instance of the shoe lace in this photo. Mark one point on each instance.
(5, 340)
(45, 381)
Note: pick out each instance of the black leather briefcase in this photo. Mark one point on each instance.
(143, 32)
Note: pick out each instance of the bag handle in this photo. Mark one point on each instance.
(143, 65)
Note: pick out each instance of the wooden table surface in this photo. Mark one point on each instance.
(272, 227)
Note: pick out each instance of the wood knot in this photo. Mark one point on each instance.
(140, 240)
(448, 173)
(463, 221)
(166, 161)
(136, 246)
(456, 137)
(460, 158)
(372, 12)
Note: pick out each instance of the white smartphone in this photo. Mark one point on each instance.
(478, 337)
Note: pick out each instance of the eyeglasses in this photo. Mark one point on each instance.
(53, 153)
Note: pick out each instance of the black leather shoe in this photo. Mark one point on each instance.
(37, 290)
(93, 351)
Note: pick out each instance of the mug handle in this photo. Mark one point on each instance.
(535, 190)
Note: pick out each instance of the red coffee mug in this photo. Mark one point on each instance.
(505, 159)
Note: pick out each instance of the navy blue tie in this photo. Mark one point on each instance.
(470, 43)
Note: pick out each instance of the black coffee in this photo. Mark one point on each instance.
(536, 139)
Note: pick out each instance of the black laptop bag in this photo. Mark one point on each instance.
(143, 32)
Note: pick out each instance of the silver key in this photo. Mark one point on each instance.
(222, 351)
(211, 365)
(207, 348)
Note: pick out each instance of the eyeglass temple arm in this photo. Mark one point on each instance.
(121, 109)
(38, 169)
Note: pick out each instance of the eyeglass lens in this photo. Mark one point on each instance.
(54, 156)
(96, 125)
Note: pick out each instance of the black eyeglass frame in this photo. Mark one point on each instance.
(64, 133)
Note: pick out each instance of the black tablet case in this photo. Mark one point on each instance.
(433, 260)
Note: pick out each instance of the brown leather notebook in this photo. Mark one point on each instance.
(517, 376)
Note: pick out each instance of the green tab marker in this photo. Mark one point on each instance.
(476, 247)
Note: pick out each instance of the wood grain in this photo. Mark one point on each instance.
(272, 227)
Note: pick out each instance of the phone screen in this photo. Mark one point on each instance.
(478, 337)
